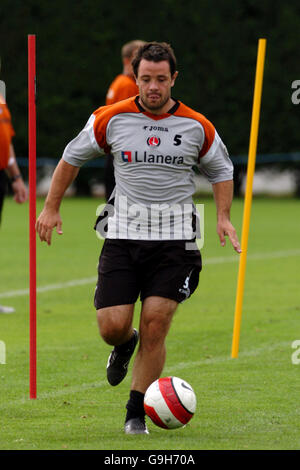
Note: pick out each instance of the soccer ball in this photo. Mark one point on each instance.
(170, 402)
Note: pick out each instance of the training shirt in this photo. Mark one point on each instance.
(154, 156)
(6, 133)
(122, 87)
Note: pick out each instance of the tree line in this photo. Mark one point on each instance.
(78, 55)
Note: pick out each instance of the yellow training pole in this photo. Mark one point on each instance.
(248, 195)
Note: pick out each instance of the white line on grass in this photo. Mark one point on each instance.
(171, 369)
(254, 256)
(283, 345)
(207, 261)
(56, 393)
(62, 285)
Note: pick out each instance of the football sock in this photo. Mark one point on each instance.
(127, 347)
(135, 405)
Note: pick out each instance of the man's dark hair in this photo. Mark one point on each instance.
(155, 52)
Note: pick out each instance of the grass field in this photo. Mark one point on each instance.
(247, 403)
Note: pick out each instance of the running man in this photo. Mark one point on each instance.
(155, 140)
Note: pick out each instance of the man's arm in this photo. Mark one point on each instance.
(49, 218)
(223, 193)
(82, 148)
(218, 168)
(14, 174)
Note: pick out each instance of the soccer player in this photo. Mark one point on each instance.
(9, 167)
(122, 87)
(155, 140)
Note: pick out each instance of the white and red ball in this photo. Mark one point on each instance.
(170, 402)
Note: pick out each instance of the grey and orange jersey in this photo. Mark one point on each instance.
(154, 155)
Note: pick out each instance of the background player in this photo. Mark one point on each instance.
(9, 167)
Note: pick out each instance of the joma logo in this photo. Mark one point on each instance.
(156, 128)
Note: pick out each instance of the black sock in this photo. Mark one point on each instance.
(127, 347)
(135, 405)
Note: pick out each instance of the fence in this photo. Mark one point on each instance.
(89, 181)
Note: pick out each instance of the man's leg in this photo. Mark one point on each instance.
(3, 187)
(115, 323)
(115, 326)
(155, 322)
(3, 180)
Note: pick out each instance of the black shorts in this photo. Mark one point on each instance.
(128, 269)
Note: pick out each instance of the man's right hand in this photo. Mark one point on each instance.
(46, 222)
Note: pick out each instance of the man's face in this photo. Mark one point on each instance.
(155, 82)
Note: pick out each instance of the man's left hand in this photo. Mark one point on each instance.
(20, 191)
(225, 228)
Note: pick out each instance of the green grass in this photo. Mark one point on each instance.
(247, 403)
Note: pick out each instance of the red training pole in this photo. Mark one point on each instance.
(32, 211)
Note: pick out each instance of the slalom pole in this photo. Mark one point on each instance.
(248, 195)
(32, 211)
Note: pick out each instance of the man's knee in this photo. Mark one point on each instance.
(115, 323)
(158, 310)
(156, 320)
